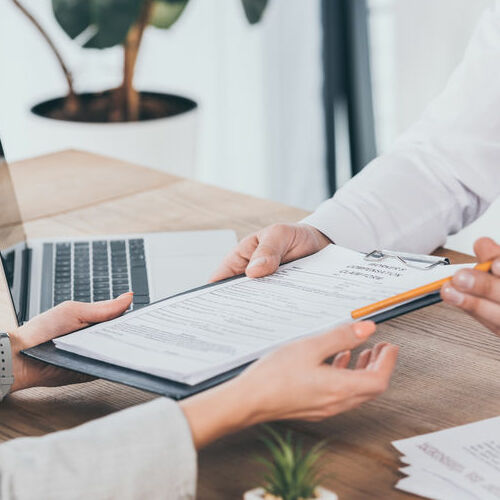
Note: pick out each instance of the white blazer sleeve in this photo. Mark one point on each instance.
(141, 452)
(441, 175)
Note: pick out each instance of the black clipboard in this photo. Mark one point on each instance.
(48, 353)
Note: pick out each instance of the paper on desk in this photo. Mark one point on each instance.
(427, 483)
(204, 333)
(464, 460)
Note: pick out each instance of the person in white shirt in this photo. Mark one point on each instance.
(149, 451)
(439, 177)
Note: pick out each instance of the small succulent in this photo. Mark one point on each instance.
(292, 472)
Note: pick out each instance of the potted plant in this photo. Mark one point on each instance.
(292, 473)
(137, 123)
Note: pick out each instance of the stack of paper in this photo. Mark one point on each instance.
(462, 463)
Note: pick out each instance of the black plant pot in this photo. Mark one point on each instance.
(99, 107)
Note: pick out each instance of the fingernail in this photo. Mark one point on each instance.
(465, 280)
(125, 294)
(257, 262)
(364, 329)
(496, 267)
(453, 296)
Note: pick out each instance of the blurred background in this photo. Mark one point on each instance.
(288, 108)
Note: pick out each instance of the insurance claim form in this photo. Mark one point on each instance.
(196, 336)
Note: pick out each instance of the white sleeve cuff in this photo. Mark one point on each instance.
(342, 226)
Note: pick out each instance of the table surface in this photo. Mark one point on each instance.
(447, 374)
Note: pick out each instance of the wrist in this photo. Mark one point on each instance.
(321, 239)
(18, 364)
(6, 365)
(223, 410)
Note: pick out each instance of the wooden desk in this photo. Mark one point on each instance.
(448, 372)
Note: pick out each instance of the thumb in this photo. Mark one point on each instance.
(486, 249)
(104, 310)
(70, 316)
(273, 244)
(343, 338)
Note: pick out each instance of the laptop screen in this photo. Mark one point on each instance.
(12, 247)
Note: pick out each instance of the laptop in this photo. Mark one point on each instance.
(42, 273)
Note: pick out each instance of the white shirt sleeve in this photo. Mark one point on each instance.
(142, 452)
(441, 174)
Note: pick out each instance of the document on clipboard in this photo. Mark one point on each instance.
(201, 334)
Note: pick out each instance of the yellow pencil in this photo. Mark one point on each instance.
(410, 294)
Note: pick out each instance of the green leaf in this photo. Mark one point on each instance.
(108, 21)
(254, 9)
(72, 16)
(292, 472)
(167, 12)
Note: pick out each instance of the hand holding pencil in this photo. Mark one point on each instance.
(477, 292)
(415, 293)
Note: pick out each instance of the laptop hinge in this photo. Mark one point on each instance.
(25, 285)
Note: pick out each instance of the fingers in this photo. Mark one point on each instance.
(477, 292)
(320, 390)
(342, 360)
(265, 261)
(477, 283)
(352, 388)
(70, 316)
(274, 242)
(385, 361)
(258, 254)
(344, 338)
(236, 262)
(374, 380)
(374, 355)
(363, 359)
(484, 310)
(486, 249)
(366, 359)
(375, 377)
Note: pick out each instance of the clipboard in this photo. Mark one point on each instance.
(48, 353)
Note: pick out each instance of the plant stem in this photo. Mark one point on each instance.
(71, 104)
(131, 99)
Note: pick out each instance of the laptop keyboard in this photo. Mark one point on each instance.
(89, 271)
